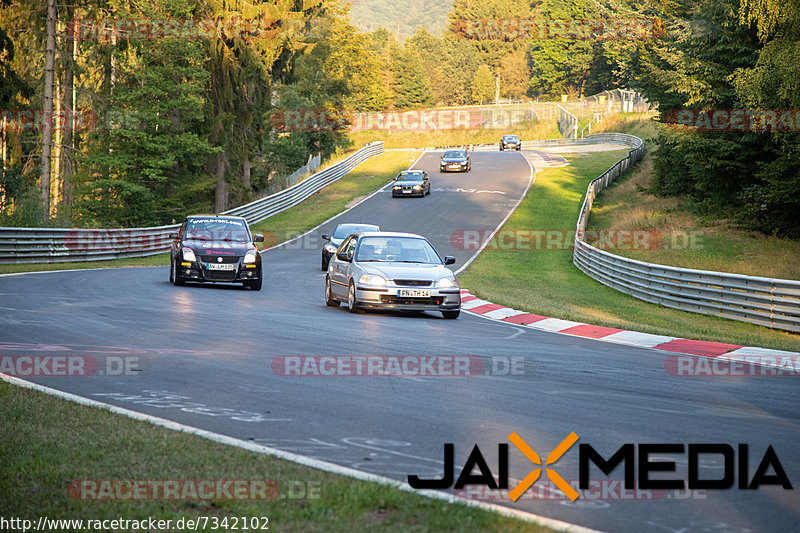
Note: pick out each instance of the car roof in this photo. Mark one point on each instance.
(346, 224)
(223, 217)
(388, 234)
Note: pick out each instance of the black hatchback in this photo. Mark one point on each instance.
(215, 248)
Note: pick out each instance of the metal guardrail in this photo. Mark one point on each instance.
(774, 303)
(59, 245)
(567, 124)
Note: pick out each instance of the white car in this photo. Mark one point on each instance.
(392, 271)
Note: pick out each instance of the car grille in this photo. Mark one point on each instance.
(220, 275)
(213, 258)
(392, 299)
(413, 282)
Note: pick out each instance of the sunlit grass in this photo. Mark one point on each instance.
(48, 442)
(545, 282)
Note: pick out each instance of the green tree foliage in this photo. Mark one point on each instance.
(401, 17)
(483, 85)
(772, 204)
(713, 59)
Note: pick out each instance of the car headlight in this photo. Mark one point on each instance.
(250, 256)
(188, 255)
(396, 187)
(330, 248)
(417, 186)
(446, 283)
(374, 280)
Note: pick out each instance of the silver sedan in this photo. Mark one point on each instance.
(393, 271)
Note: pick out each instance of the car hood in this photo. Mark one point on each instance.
(218, 247)
(392, 270)
(408, 182)
(335, 242)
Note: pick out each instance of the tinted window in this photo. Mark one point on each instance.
(408, 249)
(411, 176)
(343, 231)
(217, 229)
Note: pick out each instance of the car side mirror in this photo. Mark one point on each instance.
(326, 237)
(173, 235)
(449, 260)
(258, 238)
(343, 256)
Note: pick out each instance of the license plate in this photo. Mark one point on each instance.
(406, 191)
(413, 293)
(454, 166)
(220, 266)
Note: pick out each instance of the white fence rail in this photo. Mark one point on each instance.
(59, 245)
(774, 303)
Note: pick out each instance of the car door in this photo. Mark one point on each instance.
(426, 183)
(338, 271)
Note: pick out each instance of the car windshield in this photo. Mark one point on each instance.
(397, 249)
(410, 176)
(343, 231)
(455, 153)
(511, 138)
(217, 229)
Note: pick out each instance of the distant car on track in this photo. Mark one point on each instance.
(392, 271)
(215, 248)
(510, 142)
(411, 183)
(457, 160)
(339, 234)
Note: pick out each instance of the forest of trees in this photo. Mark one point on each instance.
(177, 118)
(401, 17)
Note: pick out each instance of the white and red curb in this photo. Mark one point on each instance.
(475, 305)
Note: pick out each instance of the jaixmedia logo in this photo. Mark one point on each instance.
(646, 460)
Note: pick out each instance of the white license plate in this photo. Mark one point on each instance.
(413, 293)
(406, 191)
(455, 166)
(221, 266)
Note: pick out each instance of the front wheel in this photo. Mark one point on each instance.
(329, 301)
(324, 265)
(254, 285)
(171, 270)
(176, 280)
(451, 314)
(351, 298)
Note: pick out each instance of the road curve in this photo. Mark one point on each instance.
(206, 353)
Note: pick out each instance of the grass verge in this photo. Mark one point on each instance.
(49, 442)
(527, 131)
(152, 260)
(683, 239)
(544, 281)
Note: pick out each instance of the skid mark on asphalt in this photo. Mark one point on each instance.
(167, 400)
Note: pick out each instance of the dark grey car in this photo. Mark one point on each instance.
(411, 183)
(338, 235)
